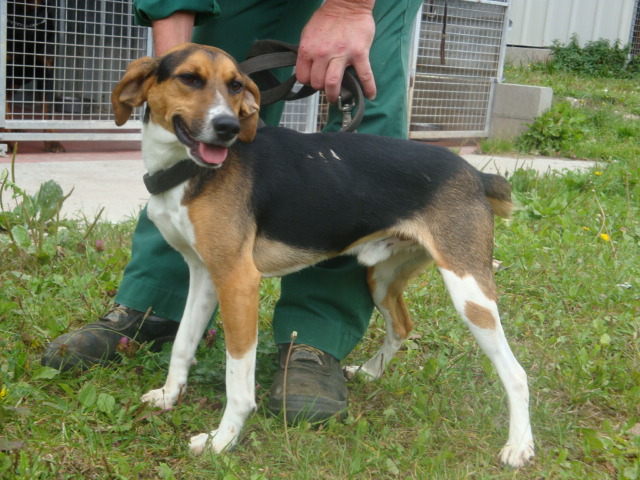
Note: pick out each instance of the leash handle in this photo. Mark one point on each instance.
(266, 55)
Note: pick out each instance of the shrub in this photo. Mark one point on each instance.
(554, 131)
(598, 58)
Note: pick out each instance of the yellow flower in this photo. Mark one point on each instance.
(3, 393)
(605, 237)
(597, 173)
(586, 229)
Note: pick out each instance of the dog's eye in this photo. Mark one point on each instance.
(236, 86)
(190, 79)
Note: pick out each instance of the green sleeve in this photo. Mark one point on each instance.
(146, 11)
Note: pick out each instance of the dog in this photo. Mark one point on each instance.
(31, 27)
(271, 201)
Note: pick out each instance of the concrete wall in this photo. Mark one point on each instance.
(526, 56)
(514, 106)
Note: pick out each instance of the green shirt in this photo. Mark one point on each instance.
(146, 11)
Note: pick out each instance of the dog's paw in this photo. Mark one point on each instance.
(160, 398)
(353, 371)
(214, 441)
(516, 455)
(199, 443)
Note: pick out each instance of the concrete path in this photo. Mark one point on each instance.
(104, 177)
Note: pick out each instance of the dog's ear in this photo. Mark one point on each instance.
(249, 111)
(131, 91)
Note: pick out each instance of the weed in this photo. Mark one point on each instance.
(32, 225)
(599, 58)
(554, 131)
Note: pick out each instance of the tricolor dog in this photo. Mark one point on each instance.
(271, 201)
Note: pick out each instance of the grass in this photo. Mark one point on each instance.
(570, 304)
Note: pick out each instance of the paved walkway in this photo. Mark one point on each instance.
(110, 175)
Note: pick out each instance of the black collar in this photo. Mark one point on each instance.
(171, 177)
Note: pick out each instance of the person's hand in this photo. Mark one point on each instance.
(338, 35)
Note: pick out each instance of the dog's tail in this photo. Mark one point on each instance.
(498, 192)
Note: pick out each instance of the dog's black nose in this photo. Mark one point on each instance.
(226, 127)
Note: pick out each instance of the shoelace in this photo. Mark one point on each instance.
(118, 310)
(302, 352)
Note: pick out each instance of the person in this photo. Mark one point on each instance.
(328, 305)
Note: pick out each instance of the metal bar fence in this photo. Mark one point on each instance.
(62, 59)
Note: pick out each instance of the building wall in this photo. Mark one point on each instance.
(537, 23)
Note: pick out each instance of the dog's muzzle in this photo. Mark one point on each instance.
(225, 128)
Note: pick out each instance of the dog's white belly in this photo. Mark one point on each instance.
(376, 251)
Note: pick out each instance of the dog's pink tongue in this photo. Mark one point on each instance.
(213, 154)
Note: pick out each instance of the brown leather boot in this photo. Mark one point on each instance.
(316, 388)
(96, 343)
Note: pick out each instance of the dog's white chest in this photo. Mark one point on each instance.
(172, 218)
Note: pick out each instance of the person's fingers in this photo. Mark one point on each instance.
(328, 76)
(333, 79)
(303, 69)
(365, 75)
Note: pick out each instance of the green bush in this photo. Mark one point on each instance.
(598, 58)
(554, 131)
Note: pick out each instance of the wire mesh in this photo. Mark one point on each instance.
(459, 58)
(301, 115)
(63, 59)
(634, 41)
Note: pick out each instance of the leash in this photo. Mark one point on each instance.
(266, 55)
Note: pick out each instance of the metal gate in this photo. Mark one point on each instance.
(63, 58)
(458, 57)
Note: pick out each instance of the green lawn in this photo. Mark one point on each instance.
(570, 305)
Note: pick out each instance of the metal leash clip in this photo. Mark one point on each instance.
(346, 110)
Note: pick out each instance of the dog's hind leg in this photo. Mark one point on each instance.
(387, 281)
(473, 292)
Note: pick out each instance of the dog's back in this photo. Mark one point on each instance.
(337, 194)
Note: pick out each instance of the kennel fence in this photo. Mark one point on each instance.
(457, 59)
(634, 37)
(88, 44)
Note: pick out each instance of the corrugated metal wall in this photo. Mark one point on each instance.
(537, 23)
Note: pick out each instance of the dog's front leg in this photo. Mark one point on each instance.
(240, 379)
(201, 302)
(239, 312)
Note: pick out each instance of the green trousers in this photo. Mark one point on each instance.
(329, 304)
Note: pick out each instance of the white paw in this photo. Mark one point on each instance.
(214, 441)
(160, 398)
(516, 456)
(350, 372)
(198, 443)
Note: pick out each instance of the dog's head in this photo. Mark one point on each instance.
(197, 93)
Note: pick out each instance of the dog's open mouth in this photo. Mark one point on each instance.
(207, 153)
